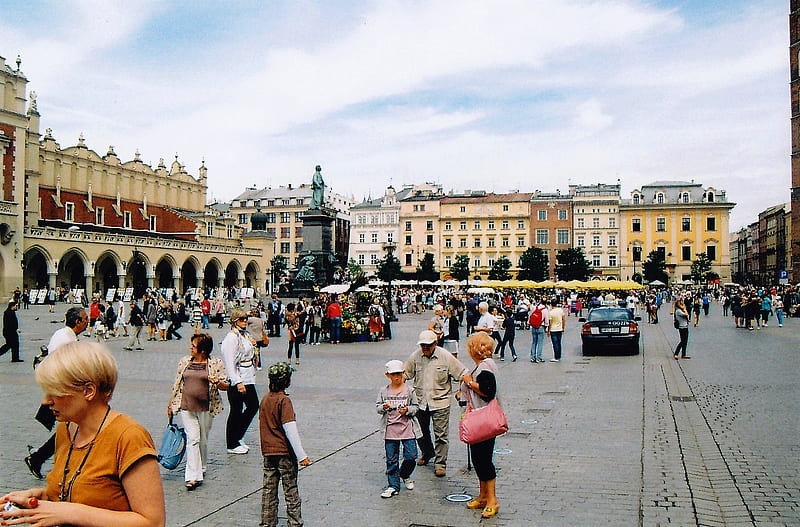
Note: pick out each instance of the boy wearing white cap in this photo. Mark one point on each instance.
(397, 405)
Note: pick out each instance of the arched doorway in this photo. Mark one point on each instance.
(251, 275)
(105, 274)
(34, 270)
(164, 277)
(232, 274)
(71, 272)
(136, 276)
(211, 274)
(189, 274)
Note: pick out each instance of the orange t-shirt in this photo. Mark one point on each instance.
(121, 443)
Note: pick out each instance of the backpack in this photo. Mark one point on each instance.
(535, 320)
(374, 311)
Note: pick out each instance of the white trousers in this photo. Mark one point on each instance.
(197, 426)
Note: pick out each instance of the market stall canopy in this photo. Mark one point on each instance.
(657, 282)
(335, 288)
(364, 289)
(480, 290)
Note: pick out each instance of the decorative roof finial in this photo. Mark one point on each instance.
(111, 151)
(48, 133)
(19, 62)
(137, 156)
(32, 108)
(81, 141)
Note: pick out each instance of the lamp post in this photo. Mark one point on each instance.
(390, 247)
(635, 253)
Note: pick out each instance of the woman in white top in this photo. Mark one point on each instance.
(556, 327)
(238, 354)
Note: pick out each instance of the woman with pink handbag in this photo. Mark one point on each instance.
(479, 388)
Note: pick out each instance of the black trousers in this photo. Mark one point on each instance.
(482, 459)
(44, 452)
(244, 406)
(12, 343)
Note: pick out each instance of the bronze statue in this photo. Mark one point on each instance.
(317, 189)
(306, 272)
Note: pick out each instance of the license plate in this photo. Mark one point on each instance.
(609, 330)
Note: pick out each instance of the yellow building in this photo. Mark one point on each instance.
(419, 226)
(484, 227)
(679, 219)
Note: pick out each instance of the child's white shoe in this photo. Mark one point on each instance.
(389, 492)
(409, 483)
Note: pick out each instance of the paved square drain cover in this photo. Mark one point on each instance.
(682, 398)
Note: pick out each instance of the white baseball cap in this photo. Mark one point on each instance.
(395, 366)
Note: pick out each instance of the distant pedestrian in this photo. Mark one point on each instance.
(11, 332)
(681, 316)
(509, 334)
(397, 406)
(136, 322)
(281, 448)
(555, 328)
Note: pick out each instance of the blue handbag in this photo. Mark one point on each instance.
(173, 446)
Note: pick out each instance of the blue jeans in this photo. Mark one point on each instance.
(336, 329)
(537, 343)
(204, 324)
(394, 471)
(555, 338)
(779, 315)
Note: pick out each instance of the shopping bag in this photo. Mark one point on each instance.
(481, 424)
(173, 446)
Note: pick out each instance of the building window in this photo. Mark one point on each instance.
(543, 215)
(230, 231)
(490, 243)
(462, 242)
(448, 261)
(242, 219)
(660, 198)
(298, 232)
(686, 224)
(505, 208)
(505, 241)
(596, 240)
(562, 236)
(374, 237)
(361, 237)
(662, 252)
(126, 219)
(373, 259)
(637, 253)
(477, 226)
(419, 208)
(286, 202)
(429, 225)
(429, 239)
(448, 226)
(581, 241)
(476, 263)
(612, 260)
(636, 225)
(686, 253)
(408, 240)
(581, 223)
(286, 248)
(542, 237)
(490, 262)
(153, 226)
(462, 226)
(375, 219)
(711, 223)
(448, 242)
(595, 223)
(562, 214)
(462, 208)
(298, 247)
(390, 236)
(298, 216)
(636, 199)
(612, 240)
(408, 225)
(286, 217)
(685, 197)
(408, 259)
(476, 242)
(710, 197)
(286, 232)
(100, 215)
(520, 241)
(661, 224)
(361, 259)
(595, 260)
(271, 217)
(520, 224)
(69, 211)
(270, 203)
(299, 201)
(612, 222)
(504, 225)
(711, 252)
(271, 231)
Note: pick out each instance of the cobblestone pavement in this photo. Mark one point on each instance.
(607, 440)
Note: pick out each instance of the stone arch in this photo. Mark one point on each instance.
(166, 271)
(251, 275)
(233, 273)
(107, 271)
(137, 273)
(189, 272)
(72, 270)
(211, 273)
(36, 268)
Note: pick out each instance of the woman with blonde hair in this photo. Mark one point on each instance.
(238, 354)
(479, 387)
(105, 470)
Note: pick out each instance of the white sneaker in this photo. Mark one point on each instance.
(389, 492)
(409, 483)
(238, 450)
(553, 360)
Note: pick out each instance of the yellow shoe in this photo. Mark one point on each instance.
(475, 504)
(488, 512)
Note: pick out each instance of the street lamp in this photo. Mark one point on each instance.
(390, 247)
(635, 254)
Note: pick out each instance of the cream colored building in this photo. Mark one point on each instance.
(375, 223)
(596, 229)
(484, 227)
(419, 226)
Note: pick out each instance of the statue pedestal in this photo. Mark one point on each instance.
(317, 242)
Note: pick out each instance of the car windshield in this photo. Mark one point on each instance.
(608, 314)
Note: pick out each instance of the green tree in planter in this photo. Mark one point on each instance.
(460, 268)
(389, 268)
(655, 267)
(499, 270)
(572, 265)
(701, 268)
(426, 269)
(353, 268)
(534, 265)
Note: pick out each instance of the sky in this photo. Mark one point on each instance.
(497, 95)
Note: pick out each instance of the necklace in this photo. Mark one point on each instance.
(66, 488)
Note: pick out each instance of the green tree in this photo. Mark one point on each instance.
(499, 270)
(389, 268)
(460, 268)
(701, 268)
(427, 269)
(655, 267)
(571, 264)
(353, 268)
(534, 265)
